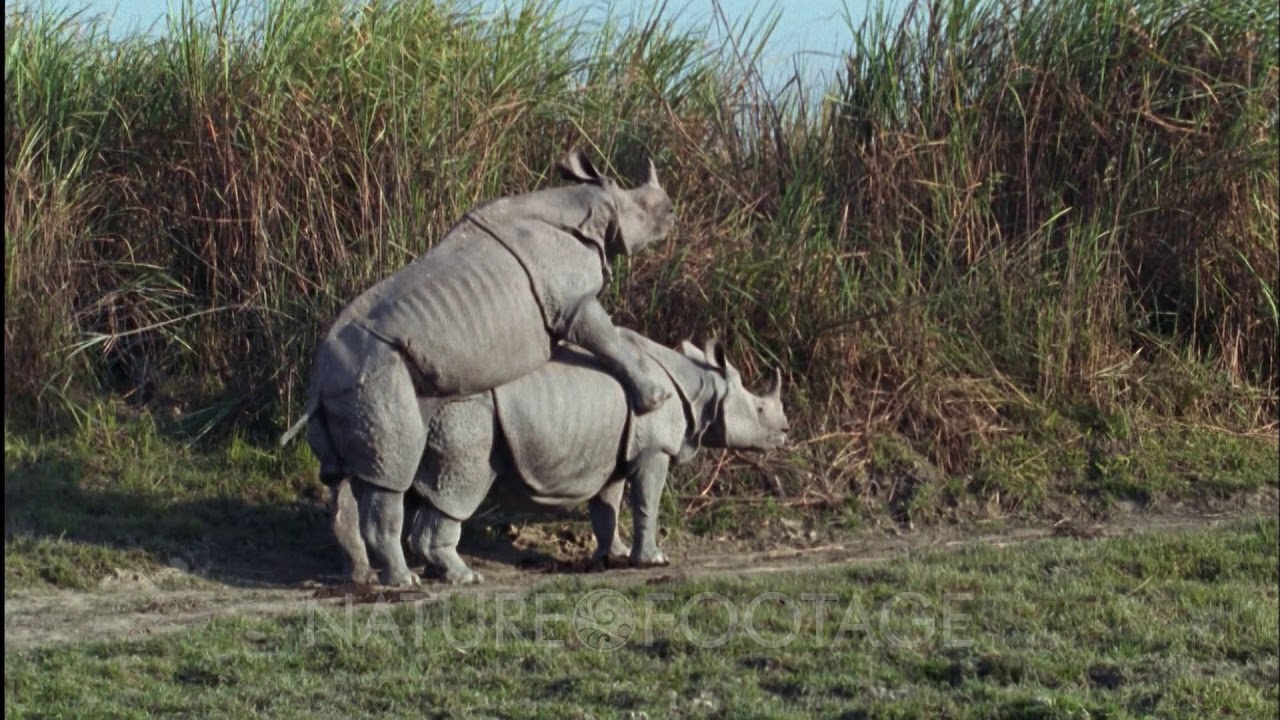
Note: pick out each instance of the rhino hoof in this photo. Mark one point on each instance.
(606, 562)
(658, 559)
(470, 577)
(363, 576)
(408, 579)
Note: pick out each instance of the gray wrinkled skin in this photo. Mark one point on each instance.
(565, 434)
(483, 307)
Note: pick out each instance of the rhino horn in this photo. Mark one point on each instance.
(652, 177)
(577, 168)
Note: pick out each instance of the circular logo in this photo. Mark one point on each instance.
(604, 619)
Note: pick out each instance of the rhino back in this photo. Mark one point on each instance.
(467, 314)
(346, 351)
(587, 209)
(563, 271)
(559, 237)
(666, 428)
(563, 425)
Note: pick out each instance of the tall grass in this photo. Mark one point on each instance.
(1003, 213)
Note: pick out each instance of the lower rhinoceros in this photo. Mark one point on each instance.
(559, 436)
(485, 306)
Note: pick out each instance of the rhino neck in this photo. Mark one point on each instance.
(701, 390)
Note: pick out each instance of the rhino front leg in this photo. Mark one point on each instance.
(435, 536)
(590, 328)
(345, 517)
(648, 475)
(381, 522)
(604, 510)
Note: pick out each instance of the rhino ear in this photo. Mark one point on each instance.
(652, 177)
(712, 351)
(715, 356)
(577, 168)
(691, 351)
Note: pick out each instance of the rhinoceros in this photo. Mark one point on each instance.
(559, 436)
(483, 307)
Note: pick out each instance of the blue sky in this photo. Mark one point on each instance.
(808, 32)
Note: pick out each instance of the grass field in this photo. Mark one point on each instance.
(1172, 625)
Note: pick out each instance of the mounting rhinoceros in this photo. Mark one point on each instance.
(561, 435)
(483, 307)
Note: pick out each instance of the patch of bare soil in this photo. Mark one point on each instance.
(134, 605)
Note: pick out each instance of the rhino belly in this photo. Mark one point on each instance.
(563, 425)
(466, 316)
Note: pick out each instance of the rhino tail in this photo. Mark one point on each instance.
(312, 406)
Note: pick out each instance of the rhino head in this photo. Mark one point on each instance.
(746, 421)
(645, 213)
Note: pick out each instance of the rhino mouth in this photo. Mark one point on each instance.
(772, 442)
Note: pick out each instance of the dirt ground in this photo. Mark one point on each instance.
(132, 604)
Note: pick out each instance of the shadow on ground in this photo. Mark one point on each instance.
(51, 502)
(70, 527)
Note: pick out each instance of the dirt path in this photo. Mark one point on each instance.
(134, 605)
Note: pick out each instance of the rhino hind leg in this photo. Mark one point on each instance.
(457, 468)
(604, 509)
(381, 524)
(435, 537)
(344, 512)
(453, 478)
(345, 517)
